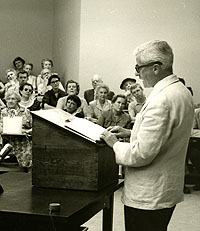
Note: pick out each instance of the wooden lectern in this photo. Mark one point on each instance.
(64, 158)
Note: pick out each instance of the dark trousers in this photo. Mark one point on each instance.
(147, 220)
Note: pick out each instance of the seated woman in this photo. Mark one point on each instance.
(116, 115)
(126, 86)
(72, 88)
(101, 103)
(47, 63)
(18, 64)
(51, 97)
(27, 101)
(28, 67)
(72, 105)
(11, 76)
(22, 145)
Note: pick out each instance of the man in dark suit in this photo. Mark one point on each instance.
(89, 94)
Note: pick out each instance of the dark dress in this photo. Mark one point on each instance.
(51, 99)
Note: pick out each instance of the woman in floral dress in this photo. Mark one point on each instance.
(22, 144)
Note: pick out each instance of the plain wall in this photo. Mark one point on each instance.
(88, 37)
(66, 42)
(110, 30)
(26, 31)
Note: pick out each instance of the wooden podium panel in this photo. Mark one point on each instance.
(63, 159)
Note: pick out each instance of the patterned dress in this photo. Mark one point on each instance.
(22, 144)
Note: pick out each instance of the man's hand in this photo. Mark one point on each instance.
(120, 132)
(109, 138)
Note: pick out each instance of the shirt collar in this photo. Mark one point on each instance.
(160, 85)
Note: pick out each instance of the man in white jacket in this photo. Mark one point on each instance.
(154, 159)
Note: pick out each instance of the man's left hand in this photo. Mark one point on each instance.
(109, 138)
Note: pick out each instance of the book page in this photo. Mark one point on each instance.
(57, 116)
(86, 128)
(81, 127)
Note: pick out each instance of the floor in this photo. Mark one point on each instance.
(185, 218)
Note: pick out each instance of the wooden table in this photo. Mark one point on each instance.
(24, 207)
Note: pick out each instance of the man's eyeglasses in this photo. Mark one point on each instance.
(29, 90)
(138, 68)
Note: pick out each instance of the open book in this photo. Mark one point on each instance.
(79, 126)
(86, 128)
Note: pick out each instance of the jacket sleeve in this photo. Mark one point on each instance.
(154, 129)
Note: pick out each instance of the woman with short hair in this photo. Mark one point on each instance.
(11, 76)
(73, 88)
(22, 144)
(18, 64)
(28, 67)
(52, 96)
(27, 99)
(116, 116)
(101, 103)
(72, 105)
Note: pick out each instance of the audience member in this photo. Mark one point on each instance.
(18, 64)
(42, 82)
(193, 153)
(12, 84)
(72, 105)
(186, 190)
(47, 64)
(116, 115)
(73, 88)
(22, 77)
(183, 82)
(126, 86)
(22, 145)
(101, 103)
(27, 101)
(135, 106)
(51, 97)
(2, 89)
(28, 67)
(89, 95)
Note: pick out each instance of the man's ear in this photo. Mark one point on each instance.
(156, 69)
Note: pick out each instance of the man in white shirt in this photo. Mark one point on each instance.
(154, 159)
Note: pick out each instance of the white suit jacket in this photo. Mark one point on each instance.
(155, 156)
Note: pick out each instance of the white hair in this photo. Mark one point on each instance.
(97, 77)
(14, 93)
(155, 50)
